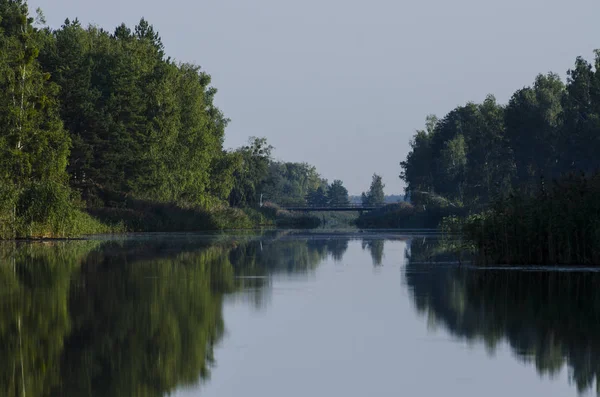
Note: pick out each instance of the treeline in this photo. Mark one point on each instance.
(269, 185)
(480, 151)
(280, 183)
(486, 153)
(105, 123)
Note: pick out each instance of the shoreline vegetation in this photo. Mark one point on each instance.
(519, 181)
(102, 132)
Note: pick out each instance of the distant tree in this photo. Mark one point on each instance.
(375, 195)
(317, 197)
(375, 248)
(290, 183)
(338, 194)
(394, 198)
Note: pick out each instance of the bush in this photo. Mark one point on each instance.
(407, 216)
(295, 220)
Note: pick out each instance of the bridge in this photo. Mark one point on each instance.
(338, 208)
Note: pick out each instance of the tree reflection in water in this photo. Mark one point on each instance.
(550, 318)
(138, 317)
(375, 247)
(141, 317)
(123, 319)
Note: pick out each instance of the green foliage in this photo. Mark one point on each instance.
(149, 216)
(338, 219)
(478, 152)
(407, 216)
(318, 197)
(281, 183)
(292, 183)
(252, 173)
(489, 159)
(534, 127)
(33, 144)
(559, 225)
(462, 157)
(375, 196)
(128, 129)
(337, 194)
(141, 124)
(294, 220)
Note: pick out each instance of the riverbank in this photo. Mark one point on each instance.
(557, 225)
(135, 216)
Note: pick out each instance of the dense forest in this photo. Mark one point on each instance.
(103, 131)
(526, 168)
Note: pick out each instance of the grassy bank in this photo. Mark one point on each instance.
(47, 209)
(558, 225)
(133, 215)
(144, 216)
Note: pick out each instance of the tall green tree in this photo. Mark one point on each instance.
(464, 157)
(417, 169)
(337, 193)
(375, 195)
(142, 125)
(317, 197)
(534, 123)
(33, 144)
(252, 173)
(581, 130)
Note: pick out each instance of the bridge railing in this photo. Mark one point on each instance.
(334, 206)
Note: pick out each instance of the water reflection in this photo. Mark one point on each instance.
(280, 253)
(375, 248)
(115, 319)
(34, 319)
(549, 318)
(136, 317)
(142, 317)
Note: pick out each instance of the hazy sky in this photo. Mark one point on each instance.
(343, 84)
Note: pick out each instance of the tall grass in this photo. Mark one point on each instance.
(558, 225)
(45, 210)
(147, 216)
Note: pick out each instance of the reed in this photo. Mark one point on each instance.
(559, 224)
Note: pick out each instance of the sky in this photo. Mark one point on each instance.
(344, 84)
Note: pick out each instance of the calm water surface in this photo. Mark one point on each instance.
(289, 314)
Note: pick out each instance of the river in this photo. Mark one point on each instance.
(287, 313)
